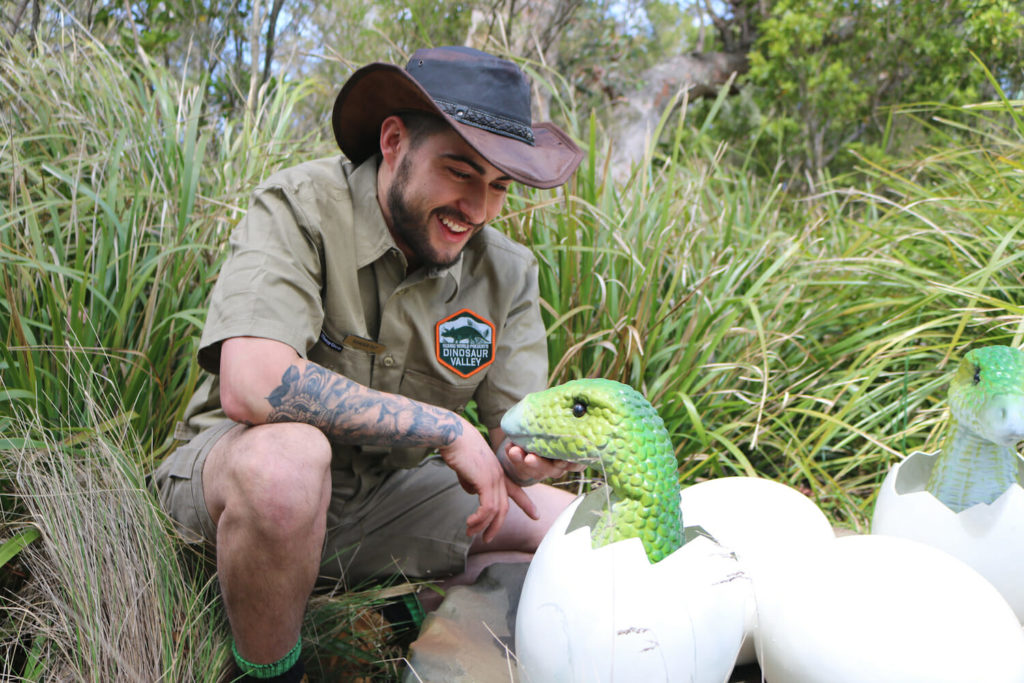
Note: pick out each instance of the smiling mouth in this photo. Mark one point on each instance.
(454, 225)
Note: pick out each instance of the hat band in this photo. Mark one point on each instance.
(489, 122)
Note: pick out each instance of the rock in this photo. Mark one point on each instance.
(468, 639)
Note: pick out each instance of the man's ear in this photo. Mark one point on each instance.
(394, 140)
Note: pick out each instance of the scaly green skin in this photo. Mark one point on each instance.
(611, 427)
(978, 461)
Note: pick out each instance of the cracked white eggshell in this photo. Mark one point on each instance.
(607, 614)
(989, 538)
(883, 608)
(758, 519)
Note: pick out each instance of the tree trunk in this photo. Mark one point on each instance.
(635, 115)
(254, 58)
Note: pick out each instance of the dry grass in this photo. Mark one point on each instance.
(113, 595)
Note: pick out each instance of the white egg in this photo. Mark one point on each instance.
(754, 517)
(990, 538)
(606, 614)
(881, 608)
(759, 520)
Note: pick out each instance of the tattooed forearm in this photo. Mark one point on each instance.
(349, 413)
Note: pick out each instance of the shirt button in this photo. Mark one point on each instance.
(388, 361)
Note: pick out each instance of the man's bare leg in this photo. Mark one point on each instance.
(516, 541)
(267, 489)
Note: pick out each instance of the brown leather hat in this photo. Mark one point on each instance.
(484, 98)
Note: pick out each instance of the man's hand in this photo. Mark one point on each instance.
(528, 466)
(480, 473)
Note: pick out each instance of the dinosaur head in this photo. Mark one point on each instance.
(986, 394)
(612, 428)
(585, 421)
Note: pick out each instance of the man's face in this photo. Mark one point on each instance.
(442, 194)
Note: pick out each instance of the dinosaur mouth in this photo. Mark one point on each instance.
(1003, 420)
(525, 433)
(552, 447)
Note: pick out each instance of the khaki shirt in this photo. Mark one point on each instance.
(314, 266)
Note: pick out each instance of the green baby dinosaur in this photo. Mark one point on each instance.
(978, 461)
(611, 427)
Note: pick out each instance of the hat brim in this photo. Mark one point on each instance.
(379, 90)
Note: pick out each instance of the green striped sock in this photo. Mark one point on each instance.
(268, 670)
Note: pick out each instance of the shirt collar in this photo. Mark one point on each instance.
(373, 239)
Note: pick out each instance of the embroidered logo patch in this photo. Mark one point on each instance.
(465, 342)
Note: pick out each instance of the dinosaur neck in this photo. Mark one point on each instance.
(644, 498)
(971, 470)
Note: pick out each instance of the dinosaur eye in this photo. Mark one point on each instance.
(977, 374)
(579, 408)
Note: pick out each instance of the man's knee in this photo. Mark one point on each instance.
(277, 476)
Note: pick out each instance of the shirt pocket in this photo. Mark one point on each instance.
(427, 389)
(420, 386)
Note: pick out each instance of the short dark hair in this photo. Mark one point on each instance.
(421, 125)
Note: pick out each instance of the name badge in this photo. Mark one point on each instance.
(352, 342)
(361, 344)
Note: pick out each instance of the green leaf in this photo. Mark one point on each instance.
(15, 394)
(14, 545)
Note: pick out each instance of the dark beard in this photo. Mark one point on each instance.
(410, 227)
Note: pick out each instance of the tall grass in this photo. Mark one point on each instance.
(118, 186)
(801, 336)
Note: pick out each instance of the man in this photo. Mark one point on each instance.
(362, 305)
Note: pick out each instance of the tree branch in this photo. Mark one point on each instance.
(268, 54)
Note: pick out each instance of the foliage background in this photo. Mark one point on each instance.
(788, 273)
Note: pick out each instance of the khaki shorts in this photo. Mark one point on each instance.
(413, 522)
